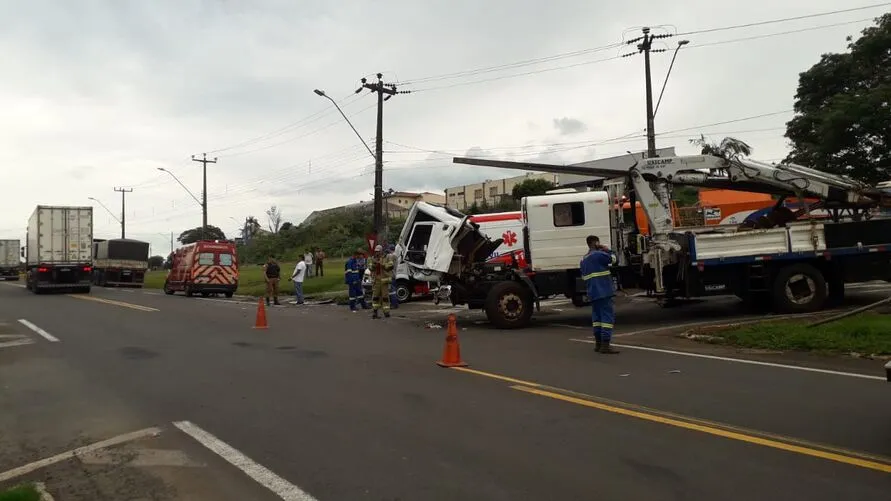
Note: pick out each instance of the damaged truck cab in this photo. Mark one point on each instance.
(439, 244)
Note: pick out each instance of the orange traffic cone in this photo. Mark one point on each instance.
(261, 316)
(451, 353)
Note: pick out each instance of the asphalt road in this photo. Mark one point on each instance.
(348, 408)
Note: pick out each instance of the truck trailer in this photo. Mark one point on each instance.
(10, 266)
(781, 260)
(120, 262)
(58, 252)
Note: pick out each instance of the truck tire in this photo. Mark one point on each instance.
(230, 294)
(509, 305)
(188, 291)
(167, 289)
(403, 291)
(799, 288)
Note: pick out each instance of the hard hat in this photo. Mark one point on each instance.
(378, 248)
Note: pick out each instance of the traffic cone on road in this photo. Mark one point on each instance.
(261, 316)
(451, 353)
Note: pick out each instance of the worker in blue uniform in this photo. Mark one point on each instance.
(353, 278)
(394, 300)
(595, 270)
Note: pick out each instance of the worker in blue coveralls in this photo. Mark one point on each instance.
(353, 278)
(394, 301)
(595, 269)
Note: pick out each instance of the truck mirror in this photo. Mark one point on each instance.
(23, 251)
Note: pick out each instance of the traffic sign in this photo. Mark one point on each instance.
(371, 238)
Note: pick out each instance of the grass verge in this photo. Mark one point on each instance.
(20, 493)
(867, 333)
(252, 283)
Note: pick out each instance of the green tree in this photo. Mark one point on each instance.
(531, 187)
(728, 147)
(196, 234)
(156, 262)
(843, 109)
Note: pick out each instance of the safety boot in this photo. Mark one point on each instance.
(374, 315)
(386, 314)
(598, 345)
(607, 349)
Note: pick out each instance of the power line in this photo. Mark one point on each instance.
(784, 20)
(780, 33)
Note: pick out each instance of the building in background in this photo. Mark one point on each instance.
(396, 205)
(491, 191)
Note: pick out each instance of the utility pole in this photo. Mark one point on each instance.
(645, 46)
(123, 192)
(204, 161)
(380, 88)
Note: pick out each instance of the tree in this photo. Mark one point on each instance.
(286, 226)
(196, 234)
(727, 148)
(156, 262)
(842, 122)
(531, 187)
(274, 215)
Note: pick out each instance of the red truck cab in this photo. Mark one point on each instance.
(204, 267)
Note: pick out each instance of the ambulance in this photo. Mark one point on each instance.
(205, 267)
(508, 226)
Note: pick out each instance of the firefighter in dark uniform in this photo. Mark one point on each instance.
(595, 270)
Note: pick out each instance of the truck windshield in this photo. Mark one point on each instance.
(205, 258)
(226, 259)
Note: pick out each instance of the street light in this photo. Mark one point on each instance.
(681, 43)
(110, 213)
(326, 96)
(201, 204)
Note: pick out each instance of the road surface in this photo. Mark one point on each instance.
(330, 405)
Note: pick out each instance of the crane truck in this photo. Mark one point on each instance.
(783, 260)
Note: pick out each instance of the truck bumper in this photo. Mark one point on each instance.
(888, 371)
(214, 288)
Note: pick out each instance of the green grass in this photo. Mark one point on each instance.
(20, 493)
(867, 333)
(252, 283)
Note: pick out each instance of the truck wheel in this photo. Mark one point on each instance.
(509, 305)
(188, 291)
(230, 294)
(799, 288)
(167, 289)
(403, 291)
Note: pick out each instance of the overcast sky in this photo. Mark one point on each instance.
(98, 94)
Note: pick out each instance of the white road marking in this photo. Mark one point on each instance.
(13, 285)
(258, 472)
(19, 342)
(142, 458)
(36, 465)
(741, 361)
(46, 335)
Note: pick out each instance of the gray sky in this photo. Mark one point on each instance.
(98, 94)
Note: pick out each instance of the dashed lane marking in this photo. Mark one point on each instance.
(42, 333)
(122, 304)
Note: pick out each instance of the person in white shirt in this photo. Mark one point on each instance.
(308, 259)
(297, 276)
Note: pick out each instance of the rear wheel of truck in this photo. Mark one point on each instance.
(799, 288)
(509, 305)
(167, 289)
(188, 291)
(403, 291)
(230, 294)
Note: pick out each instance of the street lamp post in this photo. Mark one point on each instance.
(203, 205)
(674, 56)
(110, 213)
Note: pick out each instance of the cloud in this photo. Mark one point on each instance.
(568, 126)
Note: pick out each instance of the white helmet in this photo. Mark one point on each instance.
(378, 248)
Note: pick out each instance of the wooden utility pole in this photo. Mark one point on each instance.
(123, 192)
(645, 46)
(204, 161)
